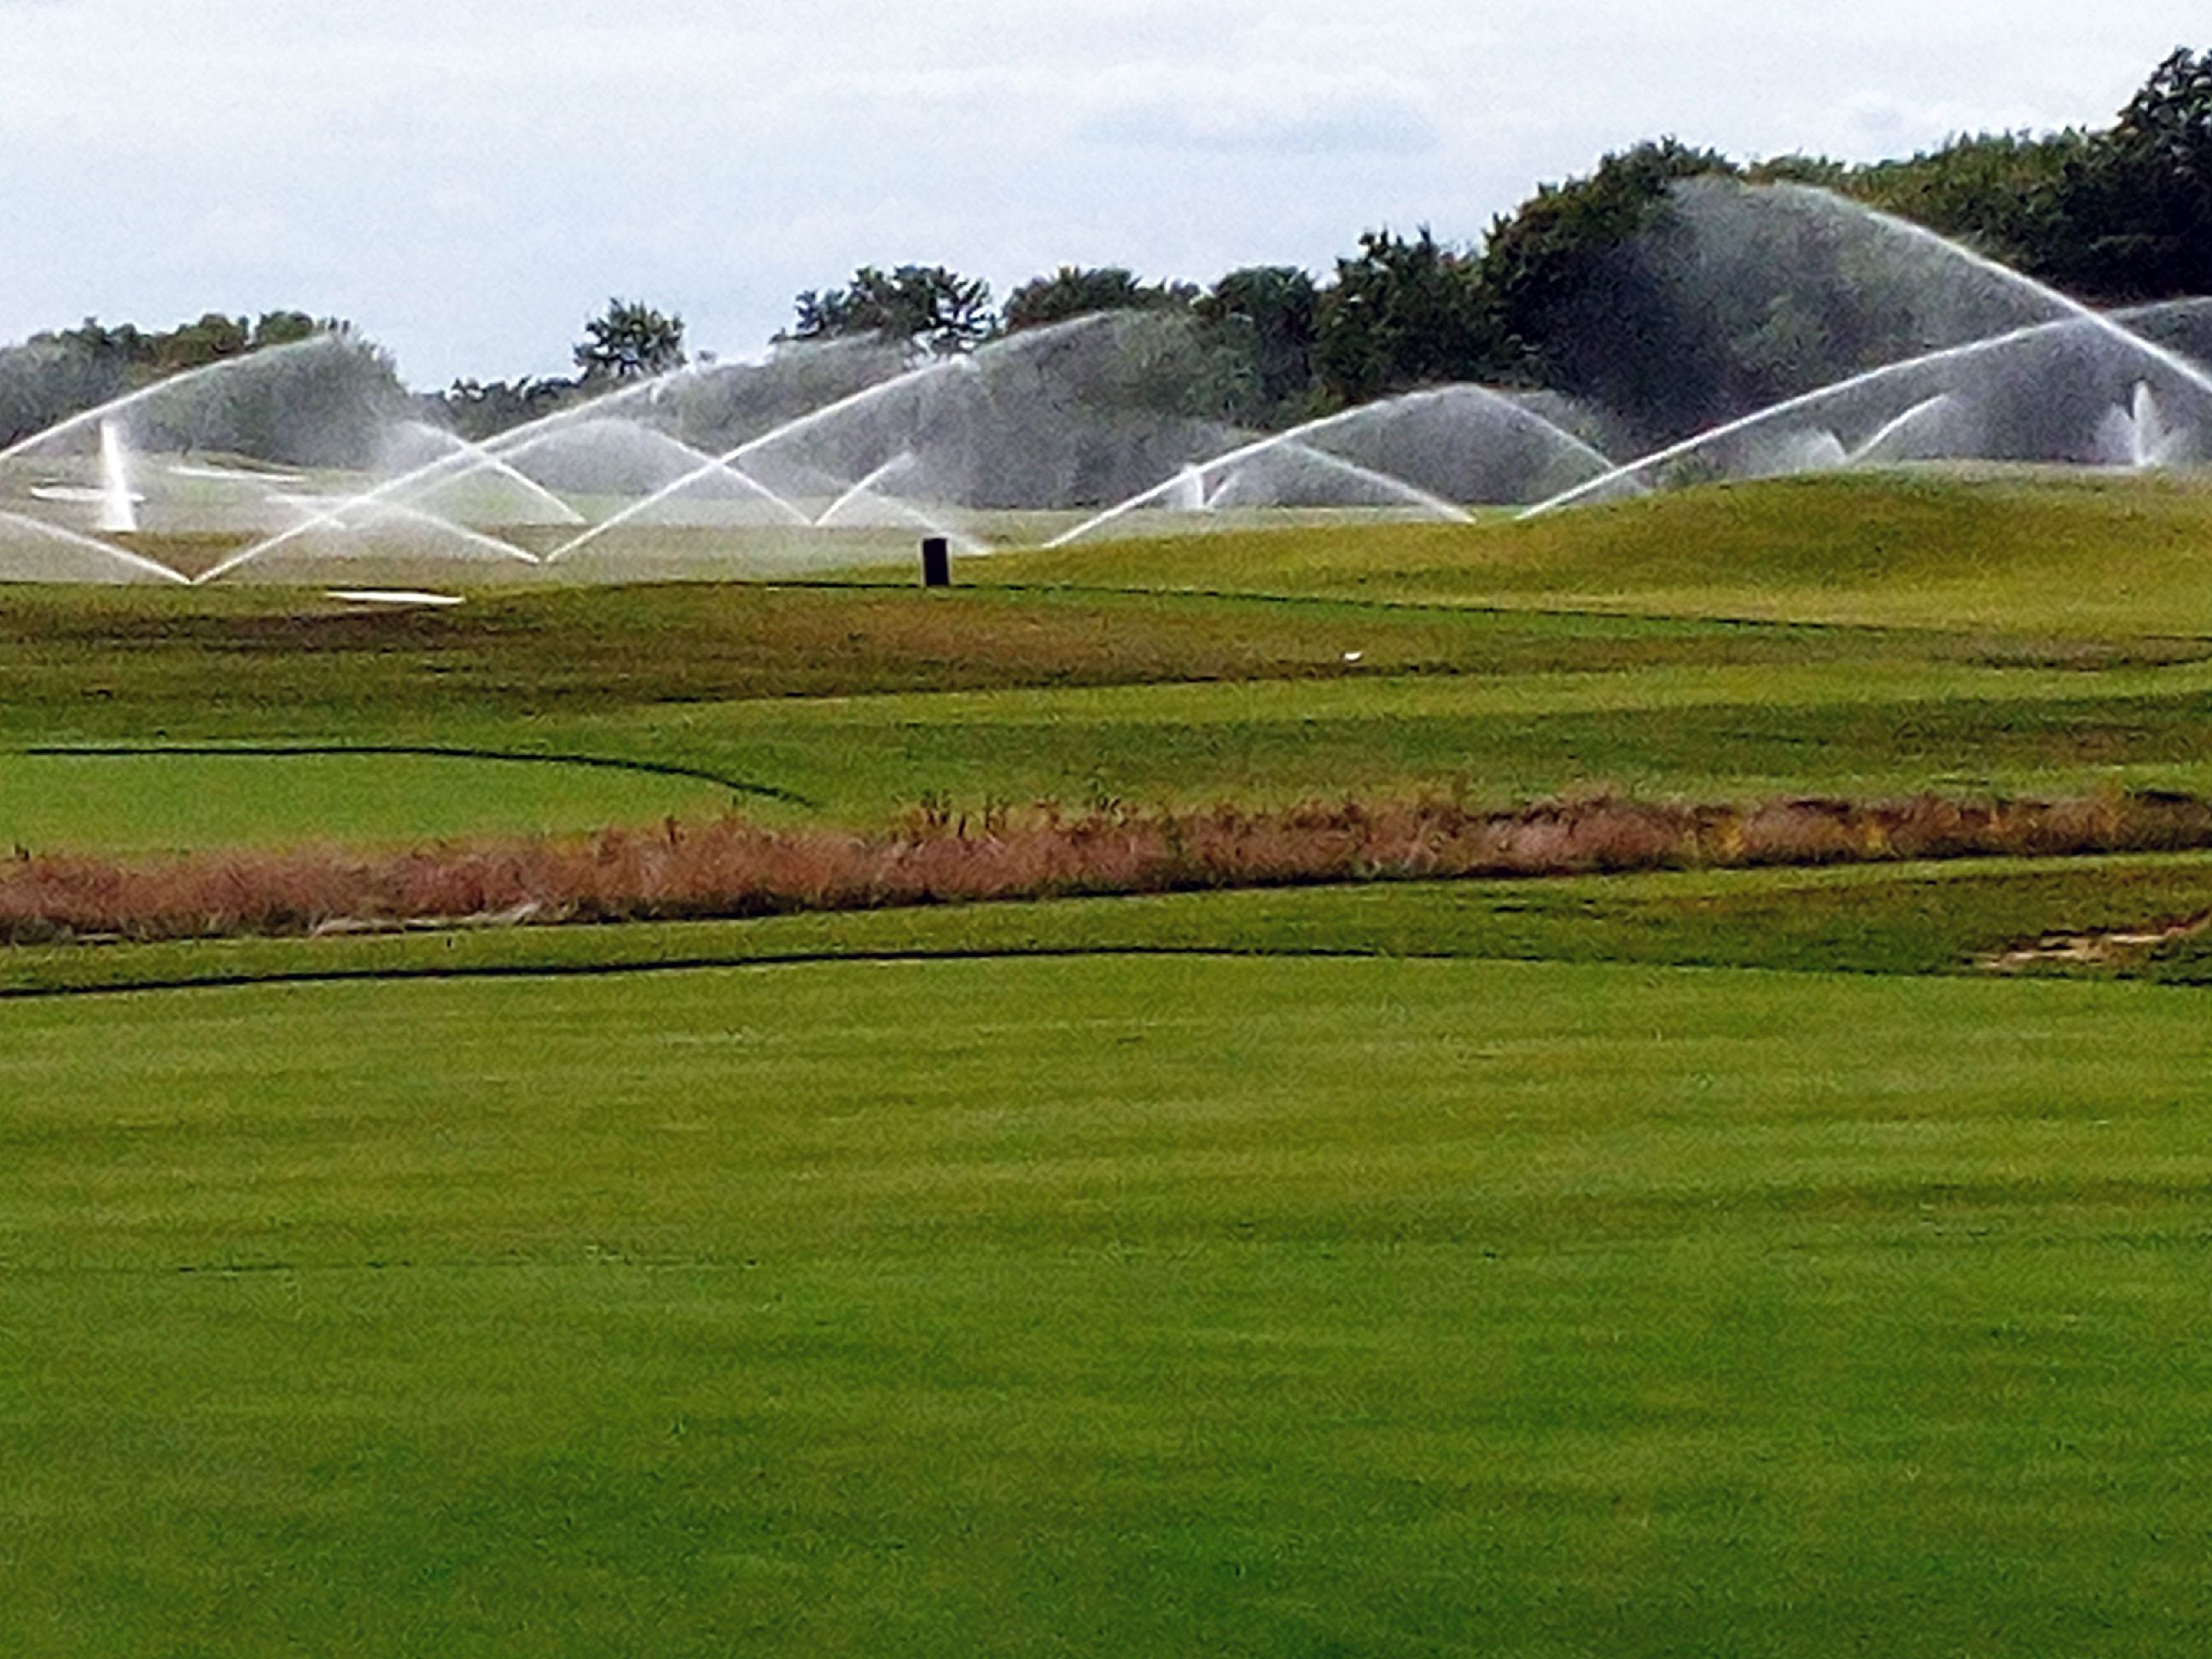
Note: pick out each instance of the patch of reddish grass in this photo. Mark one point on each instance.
(733, 868)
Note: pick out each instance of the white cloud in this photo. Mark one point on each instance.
(468, 182)
(1283, 108)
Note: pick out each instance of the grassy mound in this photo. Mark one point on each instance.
(2125, 553)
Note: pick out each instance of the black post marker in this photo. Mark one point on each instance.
(936, 561)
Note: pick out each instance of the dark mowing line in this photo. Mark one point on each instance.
(1720, 621)
(605, 1260)
(429, 751)
(1433, 609)
(427, 973)
(710, 963)
(1442, 609)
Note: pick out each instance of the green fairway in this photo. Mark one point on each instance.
(137, 802)
(1765, 1261)
(1122, 1305)
(1848, 726)
(1373, 658)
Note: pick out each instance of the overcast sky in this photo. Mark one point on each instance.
(468, 180)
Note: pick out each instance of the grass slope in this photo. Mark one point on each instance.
(1138, 1307)
(2123, 554)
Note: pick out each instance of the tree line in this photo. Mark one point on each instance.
(55, 375)
(2113, 214)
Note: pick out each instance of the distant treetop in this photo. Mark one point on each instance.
(930, 307)
(629, 340)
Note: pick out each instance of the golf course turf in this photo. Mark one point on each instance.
(1772, 1261)
(1267, 1307)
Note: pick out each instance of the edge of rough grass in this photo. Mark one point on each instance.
(1893, 919)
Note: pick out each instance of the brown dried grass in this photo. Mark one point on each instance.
(735, 868)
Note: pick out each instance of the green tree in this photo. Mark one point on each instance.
(1076, 291)
(55, 375)
(1270, 315)
(2121, 214)
(926, 306)
(194, 345)
(1541, 264)
(2140, 208)
(630, 341)
(328, 406)
(1400, 314)
(478, 409)
(1999, 193)
(279, 328)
